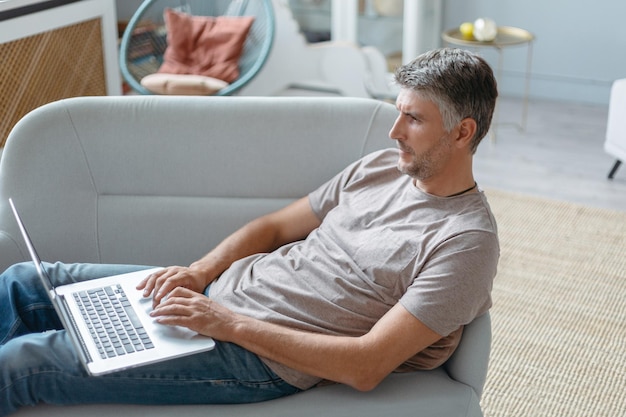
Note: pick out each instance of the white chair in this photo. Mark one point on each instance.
(615, 143)
(330, 68)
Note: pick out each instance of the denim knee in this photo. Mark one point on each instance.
(23, 272)
(25, 306)
(31, 366)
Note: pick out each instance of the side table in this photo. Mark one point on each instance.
(506, 37)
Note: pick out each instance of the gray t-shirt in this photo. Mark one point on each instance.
(382, 241)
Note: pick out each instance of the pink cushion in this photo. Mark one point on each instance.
(204, 45)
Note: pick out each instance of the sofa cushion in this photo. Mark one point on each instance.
(418, 394)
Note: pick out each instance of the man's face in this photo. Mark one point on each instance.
(419, 132)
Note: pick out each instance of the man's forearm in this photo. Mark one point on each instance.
(262, 235)
(255, 237)
(327, 357)
(342, 359)
(360, 362)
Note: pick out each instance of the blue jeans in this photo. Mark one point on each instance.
(39, 365)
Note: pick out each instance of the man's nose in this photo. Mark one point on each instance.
(395, 131)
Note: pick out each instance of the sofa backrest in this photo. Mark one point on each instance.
(161, 180)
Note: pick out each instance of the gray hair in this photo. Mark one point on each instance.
(459, 82)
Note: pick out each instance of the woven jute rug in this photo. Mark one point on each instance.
(559, 313)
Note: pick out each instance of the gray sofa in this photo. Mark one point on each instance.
(160, 180)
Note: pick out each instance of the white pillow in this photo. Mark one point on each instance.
(182, 84)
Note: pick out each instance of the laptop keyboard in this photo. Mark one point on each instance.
(112, 322)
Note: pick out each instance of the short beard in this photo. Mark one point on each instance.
(427, 164)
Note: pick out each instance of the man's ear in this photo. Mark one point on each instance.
(467, 130)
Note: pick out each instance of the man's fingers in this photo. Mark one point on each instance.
(147, 283)
(165, 292)
(175, 306)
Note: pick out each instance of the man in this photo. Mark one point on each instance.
(376, 271)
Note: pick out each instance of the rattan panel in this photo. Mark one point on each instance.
(39, 69)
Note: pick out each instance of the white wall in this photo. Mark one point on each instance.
(580, 47)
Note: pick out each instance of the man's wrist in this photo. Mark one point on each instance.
(206, 270)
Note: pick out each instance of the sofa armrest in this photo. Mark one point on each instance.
(469, 362)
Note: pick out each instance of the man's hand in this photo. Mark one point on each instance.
(184, 307)
(162, 282)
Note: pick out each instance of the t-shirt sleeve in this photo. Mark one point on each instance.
(454, 286)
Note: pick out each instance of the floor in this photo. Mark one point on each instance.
(559, 155)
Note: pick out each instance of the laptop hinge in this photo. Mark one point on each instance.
(82, 350)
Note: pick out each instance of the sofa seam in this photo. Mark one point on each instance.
(91, 179)
(369, 127)
(17, 245)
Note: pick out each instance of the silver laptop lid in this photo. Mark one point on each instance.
(47, 282)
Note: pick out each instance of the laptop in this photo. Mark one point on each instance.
(108, 320)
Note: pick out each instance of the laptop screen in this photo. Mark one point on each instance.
(47, 282)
